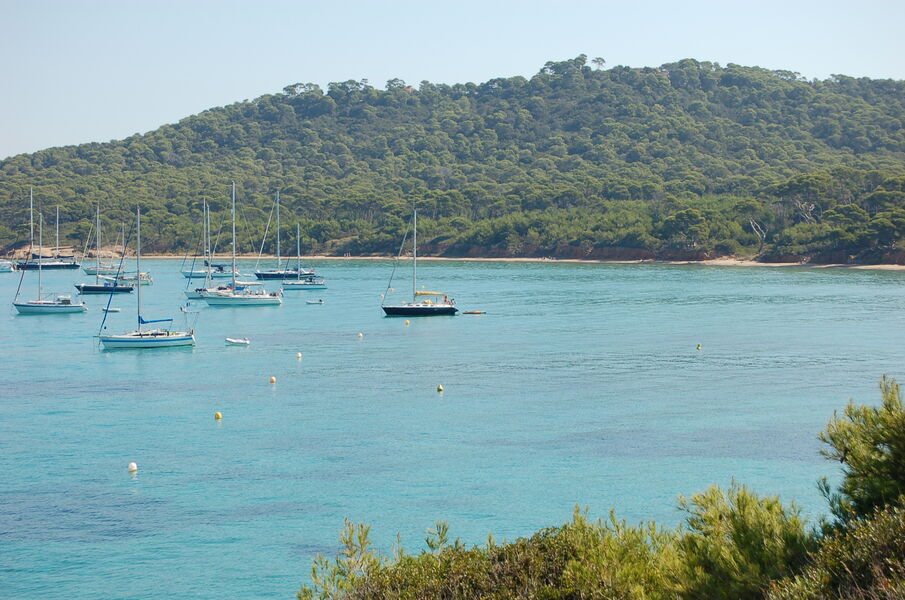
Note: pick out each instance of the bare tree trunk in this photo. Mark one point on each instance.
(761, 234)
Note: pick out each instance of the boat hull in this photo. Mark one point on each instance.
(48, 308)
(203, 274)
(417, 310)
(101, 271)
(281, 274)
(148, 339)
(241, 300)
(90, 288)
(33, 266)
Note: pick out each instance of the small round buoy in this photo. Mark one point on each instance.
(407, 322)
(440, 388)
(273, 380)
(361, 335)
(699, 347)
(133, 468)
(218, 416)
(299, 356)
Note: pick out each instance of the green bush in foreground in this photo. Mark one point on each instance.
(733, 544)
(870, 444)
(866, 562)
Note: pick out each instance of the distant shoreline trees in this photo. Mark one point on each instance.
(689, 160)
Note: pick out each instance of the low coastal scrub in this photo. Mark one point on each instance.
(732, 544)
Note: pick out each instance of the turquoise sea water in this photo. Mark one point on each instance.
(581, 385)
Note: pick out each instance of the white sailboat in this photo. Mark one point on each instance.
(158, 337)
(109, 268)
(210, 270)
(139, 278)
(309, 281)
(423, 303)
(53, 303)
(240, 293)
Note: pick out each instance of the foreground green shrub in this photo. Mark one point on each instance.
(865, 562)
(736, 543)
(733, 546)
(870, 444)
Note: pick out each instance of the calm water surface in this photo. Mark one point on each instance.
(581, 385)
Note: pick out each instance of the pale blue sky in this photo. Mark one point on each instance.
(94, 70)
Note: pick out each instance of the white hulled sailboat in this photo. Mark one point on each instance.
(147, 338)
(240, 293)
(54, 303)
(303, 281)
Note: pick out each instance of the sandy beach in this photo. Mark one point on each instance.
(713, 262)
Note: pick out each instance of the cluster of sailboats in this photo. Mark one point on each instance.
(111, 279)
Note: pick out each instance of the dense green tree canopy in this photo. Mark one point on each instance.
(688, 158)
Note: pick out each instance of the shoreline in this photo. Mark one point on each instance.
(712, 262)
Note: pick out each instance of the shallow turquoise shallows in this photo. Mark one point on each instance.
(581, 385)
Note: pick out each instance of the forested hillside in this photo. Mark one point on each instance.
(690, 159)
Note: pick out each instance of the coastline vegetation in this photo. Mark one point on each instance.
(684, 161)
(732, 545)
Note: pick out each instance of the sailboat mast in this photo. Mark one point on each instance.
(414, 254)
(234, 236)
(138, 264)
(31, 220)
(298, 252)
(97, 274)
(41, 250)
(56, 250)
(206, 234)
(278, 229)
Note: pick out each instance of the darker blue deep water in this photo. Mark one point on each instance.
(581, 385)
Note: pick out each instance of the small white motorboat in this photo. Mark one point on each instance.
(314, 301)
(237, 341)
(111, 309)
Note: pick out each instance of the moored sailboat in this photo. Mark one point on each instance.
(157, 337)
(52, 304)
(309, 281)
(101, 286)
(424, 303)
(53, 262)
(279, 272)
(247, 294)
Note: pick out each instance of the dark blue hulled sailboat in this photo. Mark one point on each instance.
(423, 304)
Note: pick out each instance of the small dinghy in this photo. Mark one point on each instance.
(237, 341)
(314, 301)
(111, 309)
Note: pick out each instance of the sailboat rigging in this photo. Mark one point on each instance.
(102, 286)
(424, 303)
(279, 272)
(54, 261)
(55, 304)
(146, 338)
(303, 281)
(240, 293)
